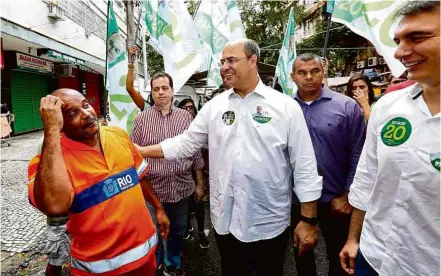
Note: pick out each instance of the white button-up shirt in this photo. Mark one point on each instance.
(397, 183)
(256, 144)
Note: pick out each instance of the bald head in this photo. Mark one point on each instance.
(79, 117)
(66, 93)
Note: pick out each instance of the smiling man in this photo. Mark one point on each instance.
(258, 142)
(96, 176)
(395, 227)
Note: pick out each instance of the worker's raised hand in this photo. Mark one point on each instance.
(50, 112)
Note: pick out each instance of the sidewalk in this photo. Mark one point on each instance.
(22, 231)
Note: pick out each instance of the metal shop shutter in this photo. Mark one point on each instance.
(26, 91)
(21, 100)
(39, 88)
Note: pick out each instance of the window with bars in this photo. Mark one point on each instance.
(83, 15)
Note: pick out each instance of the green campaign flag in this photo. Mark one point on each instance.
(286, 58)
(217, 23)
(375, 21)
(330, 6)
(122, 109)
(173, 34)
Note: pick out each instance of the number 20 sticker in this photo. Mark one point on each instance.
(396, 132)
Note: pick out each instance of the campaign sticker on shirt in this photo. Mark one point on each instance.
(228, 118)
(396, 132)
(261, 116)
(435, 160)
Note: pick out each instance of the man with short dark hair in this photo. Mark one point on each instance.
(395, 226)
(253, 158)
(172, 181)
(337, 128)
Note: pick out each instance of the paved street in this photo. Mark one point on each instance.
(22, 225)
(22, 231)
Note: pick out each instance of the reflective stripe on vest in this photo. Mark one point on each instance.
(128, 257)
(103, 190)
(142, 167)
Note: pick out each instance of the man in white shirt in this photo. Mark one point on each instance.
(258, 141)
(396, 189)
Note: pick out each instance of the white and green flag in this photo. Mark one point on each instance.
(218, 22)
(373, 20)
(122, 109)
(286, 58)
(173, 34)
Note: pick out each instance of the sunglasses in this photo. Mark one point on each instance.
(189, 107)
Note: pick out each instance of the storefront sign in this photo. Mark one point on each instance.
(59, 57)
(31, 63)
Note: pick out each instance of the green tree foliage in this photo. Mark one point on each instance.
(265, 22)
(339, 37)
(155, 61)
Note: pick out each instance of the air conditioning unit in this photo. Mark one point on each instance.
(64, 70)
(381, 60)
(55, 11)
(372, 61)
(361, 64)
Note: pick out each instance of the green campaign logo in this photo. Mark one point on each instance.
(261, 116)
(396, 132)
(435, 160)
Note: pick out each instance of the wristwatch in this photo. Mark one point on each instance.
(310, 220)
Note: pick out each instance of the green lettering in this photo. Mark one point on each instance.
(385, 36)
(119, 114)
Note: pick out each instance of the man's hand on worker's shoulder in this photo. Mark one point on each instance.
(163, 222)
(51, 115)
(140, 149)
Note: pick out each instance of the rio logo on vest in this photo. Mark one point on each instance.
(117, 185)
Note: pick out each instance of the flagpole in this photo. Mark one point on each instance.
(199, 4)
(137, 27)
(144, 56)
(105, 56)
(211, 55)
(327, 34)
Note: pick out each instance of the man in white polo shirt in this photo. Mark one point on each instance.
(258, 142)
(396, 189)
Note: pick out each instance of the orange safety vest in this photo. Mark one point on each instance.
(111, 228)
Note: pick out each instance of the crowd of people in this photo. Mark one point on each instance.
(363, 171)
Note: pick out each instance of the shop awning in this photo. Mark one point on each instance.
(338, 81)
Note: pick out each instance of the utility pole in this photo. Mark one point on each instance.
(130, 23)
(131, 33)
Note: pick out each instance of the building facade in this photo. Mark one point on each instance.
(47, 45)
